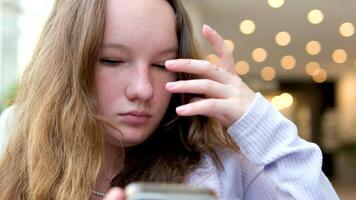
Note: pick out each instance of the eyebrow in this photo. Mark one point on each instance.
(125, 48)
(113, 46)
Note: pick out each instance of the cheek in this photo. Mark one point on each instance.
(107, 87)
(160, 82)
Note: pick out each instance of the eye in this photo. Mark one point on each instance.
(161, 66)
(110, 62)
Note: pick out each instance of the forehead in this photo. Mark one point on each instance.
(138, 23)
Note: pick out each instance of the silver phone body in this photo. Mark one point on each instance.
(155, 191)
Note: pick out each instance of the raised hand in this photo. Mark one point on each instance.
(227, 97)
(115, 194)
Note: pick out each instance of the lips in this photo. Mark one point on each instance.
(135, 117)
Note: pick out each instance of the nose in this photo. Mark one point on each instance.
(139, 87)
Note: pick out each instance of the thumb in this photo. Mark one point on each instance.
(115, 194)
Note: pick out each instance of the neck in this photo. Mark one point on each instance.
(111, 166)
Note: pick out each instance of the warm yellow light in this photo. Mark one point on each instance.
(355, 63)
(275, 3)
(288, 62)
(287, 99)
(277, 103)
(242, 67)
(247, 27)
(321, 76)
(282, 101)
(268, 73)
(230, 44)
(213, 58)
(313, 47)
(259, 55)
(311, 68)
(283, 38)
(315, 16)
(339, 56)
(347, 29)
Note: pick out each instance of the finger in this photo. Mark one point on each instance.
(219, 46)
(195, 99)
(115, 194)
(215, 40)
(207, 107)
(203, 68)
(209, 88)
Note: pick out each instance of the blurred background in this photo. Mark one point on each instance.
(300, 54)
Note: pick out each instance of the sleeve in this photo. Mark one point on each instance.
(290, 166)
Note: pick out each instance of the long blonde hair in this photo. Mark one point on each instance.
(56, 148)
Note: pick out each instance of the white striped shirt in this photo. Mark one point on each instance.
(274, 163)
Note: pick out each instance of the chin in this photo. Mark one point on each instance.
(128, 136)
(127, 139)
(132, 143)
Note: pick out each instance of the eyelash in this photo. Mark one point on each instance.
(113, 62)
(110, 62)
(160, 66)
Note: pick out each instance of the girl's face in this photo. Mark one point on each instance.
(130, 75)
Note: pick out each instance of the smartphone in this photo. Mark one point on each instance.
(158, 191)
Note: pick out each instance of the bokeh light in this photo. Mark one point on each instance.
(288, 62)
(275, 3)
(247, 27)
(213, 58)
(312, 67)
(320, 76)
(259, 55)
(230, 44)
(242, 67)
(283, 38)
(315, 16)
(347, 29)
(282, 101)
(268, 73)
(313, 47)
(339, 56)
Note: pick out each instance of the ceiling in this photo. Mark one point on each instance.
(226, 15)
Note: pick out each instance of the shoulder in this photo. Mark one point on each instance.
(237, 171)
(5, 125)
(228, 182)
(5, 117)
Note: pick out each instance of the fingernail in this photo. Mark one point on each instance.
(170, 62)
(114, 193)
(176, 62)
(207, 27)
(180, 109)
(171, 84)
